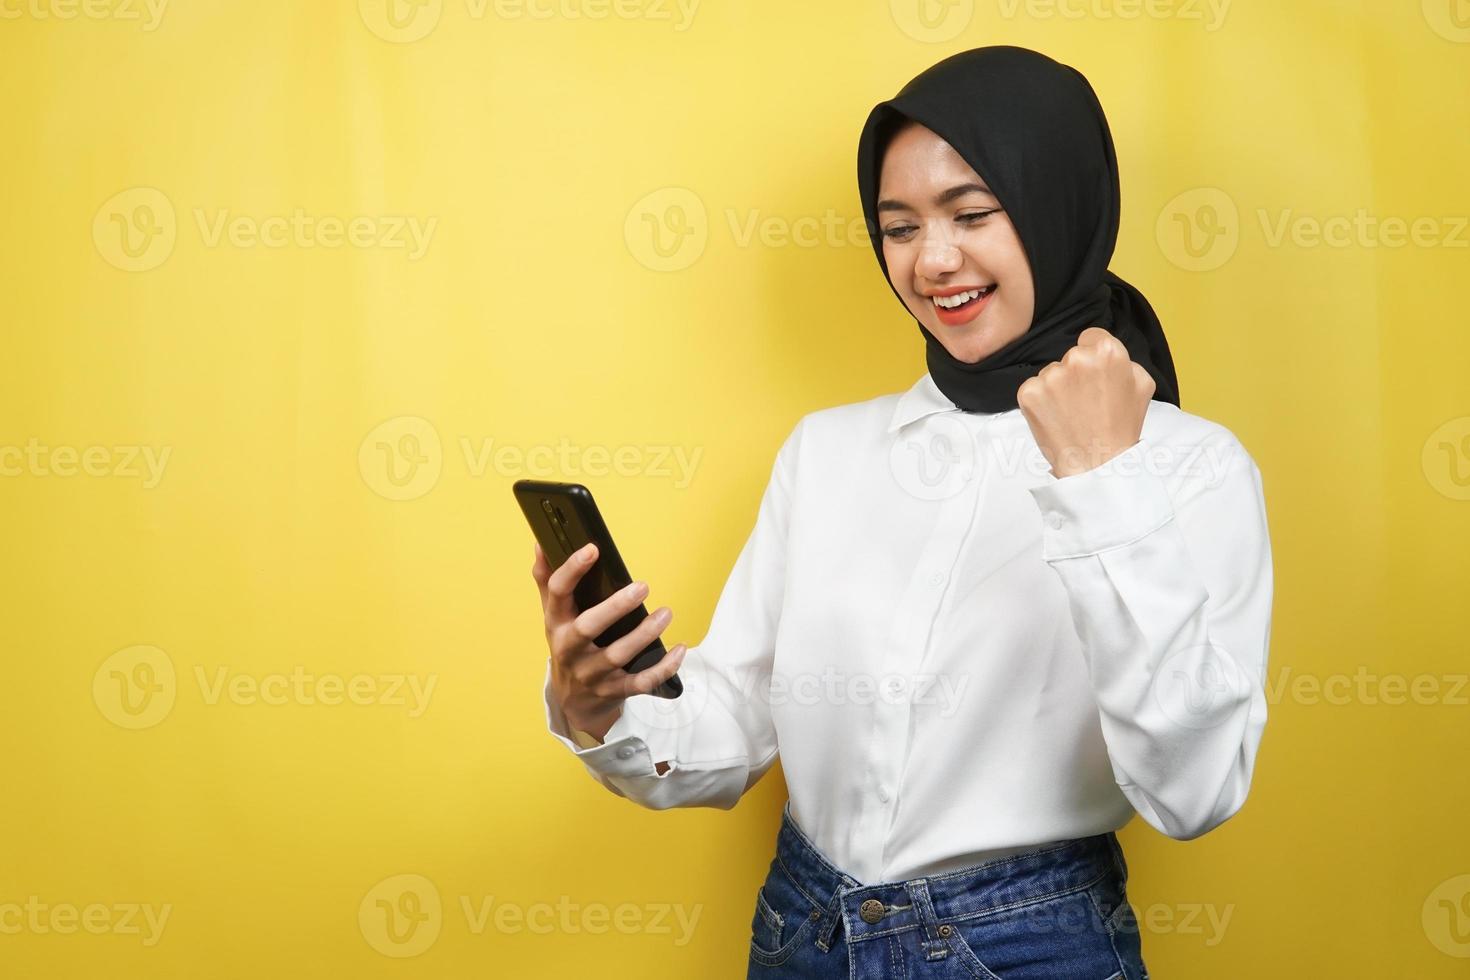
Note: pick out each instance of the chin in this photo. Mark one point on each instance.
(971, 349)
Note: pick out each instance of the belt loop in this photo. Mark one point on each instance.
(934, 947)
(1118, 859)
(827, 927)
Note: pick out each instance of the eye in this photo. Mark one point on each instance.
(897, 233)
(975, 217)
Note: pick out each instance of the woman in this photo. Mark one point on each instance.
(975, 668)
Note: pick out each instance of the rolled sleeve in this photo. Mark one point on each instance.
(1108, 506)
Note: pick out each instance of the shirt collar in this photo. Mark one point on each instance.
(923, 399)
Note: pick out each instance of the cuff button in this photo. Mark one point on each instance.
(1055, 520)
(626, 752)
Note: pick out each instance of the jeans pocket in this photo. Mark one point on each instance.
(767, 926)
(1061, 936)
(784, 918)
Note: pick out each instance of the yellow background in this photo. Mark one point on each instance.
(545, 149)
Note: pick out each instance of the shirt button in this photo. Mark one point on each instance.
(937, 578)
(1055, 520)
(883, 793)
(626, 752)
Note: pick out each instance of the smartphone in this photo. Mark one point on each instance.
(564, 517)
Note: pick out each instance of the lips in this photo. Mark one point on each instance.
(960, 315)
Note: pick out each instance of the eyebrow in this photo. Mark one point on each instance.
(959, 190)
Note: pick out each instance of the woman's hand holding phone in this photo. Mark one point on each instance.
(587, 680)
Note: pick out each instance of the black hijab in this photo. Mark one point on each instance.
(1034, 130)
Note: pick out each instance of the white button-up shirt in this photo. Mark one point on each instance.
(959, 656)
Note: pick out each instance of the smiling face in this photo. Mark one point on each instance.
(945, 235)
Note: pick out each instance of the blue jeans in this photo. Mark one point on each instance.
(1056, 912)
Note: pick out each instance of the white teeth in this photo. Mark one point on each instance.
(959, 299)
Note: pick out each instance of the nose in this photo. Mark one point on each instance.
(938, 253)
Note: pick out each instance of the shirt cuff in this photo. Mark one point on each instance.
(1105, 507)
(620, 754)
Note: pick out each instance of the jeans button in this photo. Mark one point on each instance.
(872, 910)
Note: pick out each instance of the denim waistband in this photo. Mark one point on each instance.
(993, 886)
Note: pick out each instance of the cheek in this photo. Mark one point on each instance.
(894, 259)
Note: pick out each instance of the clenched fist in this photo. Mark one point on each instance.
(1088, 407)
